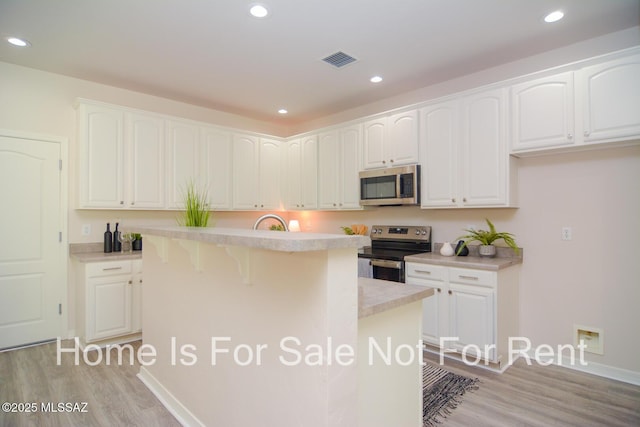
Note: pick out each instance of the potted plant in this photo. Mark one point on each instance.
(486, 239)
(196, 207)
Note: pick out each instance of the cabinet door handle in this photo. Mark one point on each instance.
(130, 282)
(384, 162)
(453, 200)
(391, 161)
(423, 271)
(450, 292)
(439, 290)
(468, 277)
(464, 200)
(587, 133)
(122, 202)
(570, 136)
(112, 268)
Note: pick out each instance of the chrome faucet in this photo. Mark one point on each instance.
(272, 216)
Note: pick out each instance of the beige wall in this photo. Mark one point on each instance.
(591, 280)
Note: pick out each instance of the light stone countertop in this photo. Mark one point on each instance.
(93, 252)
(101, 256)
(376, 296)
(476, 262)
(262, 239)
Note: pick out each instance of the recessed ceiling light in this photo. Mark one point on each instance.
(375, 79)
(554, 16)
(282, 111)
(18, 42)
(258, 10)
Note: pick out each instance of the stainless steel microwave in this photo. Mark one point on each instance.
(391, 186)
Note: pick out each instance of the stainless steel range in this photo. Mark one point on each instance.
(390, 244)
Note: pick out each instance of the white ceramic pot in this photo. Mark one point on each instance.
(488, 251)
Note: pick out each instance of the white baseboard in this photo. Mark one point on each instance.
(605, 371)
(594, 368)
(173, 405)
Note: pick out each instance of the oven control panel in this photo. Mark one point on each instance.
(394, 232)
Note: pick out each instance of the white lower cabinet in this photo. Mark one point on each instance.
(109, 299)
(471, 311)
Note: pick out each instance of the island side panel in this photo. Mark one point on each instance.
(288, 295)
(390, 390)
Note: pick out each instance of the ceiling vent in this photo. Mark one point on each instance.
(339, 59)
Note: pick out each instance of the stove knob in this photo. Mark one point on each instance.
(424, 232)
(379, 230)
(417, 232)
(373, 231)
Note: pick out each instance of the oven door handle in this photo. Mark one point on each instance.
(397, 265)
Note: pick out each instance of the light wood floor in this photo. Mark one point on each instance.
(522, 396)
(114, 395)
(543, 396)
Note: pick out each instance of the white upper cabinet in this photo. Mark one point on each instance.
(374, 154)
(302, 173)
(329, 170)
(440, 140)
(145, 169)
(183, 158)
(245, 171)
(485, 159)
(391, 140)
(542, 113)
(611, 100)
(595, 104)
(338, 167)
(293, 185)
(101, 155)
(271, 173)
(257, 172)
(215, 166)
(465, 161)
(350, 149)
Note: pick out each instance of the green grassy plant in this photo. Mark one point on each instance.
(196, 207)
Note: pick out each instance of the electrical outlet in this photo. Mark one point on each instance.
(86, 229)
(566, 233)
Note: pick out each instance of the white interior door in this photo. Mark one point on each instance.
(32, 260)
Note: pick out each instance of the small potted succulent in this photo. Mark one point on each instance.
(486, 239)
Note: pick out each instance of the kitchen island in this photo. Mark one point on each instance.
(253, 327)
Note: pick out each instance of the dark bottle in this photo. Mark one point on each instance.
(117, 243)
(464, 251)
(108, 240)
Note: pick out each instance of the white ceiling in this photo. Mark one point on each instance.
(212, 53)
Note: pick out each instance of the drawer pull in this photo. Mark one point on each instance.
(468, 277)
(423, 271)
(112, 268)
